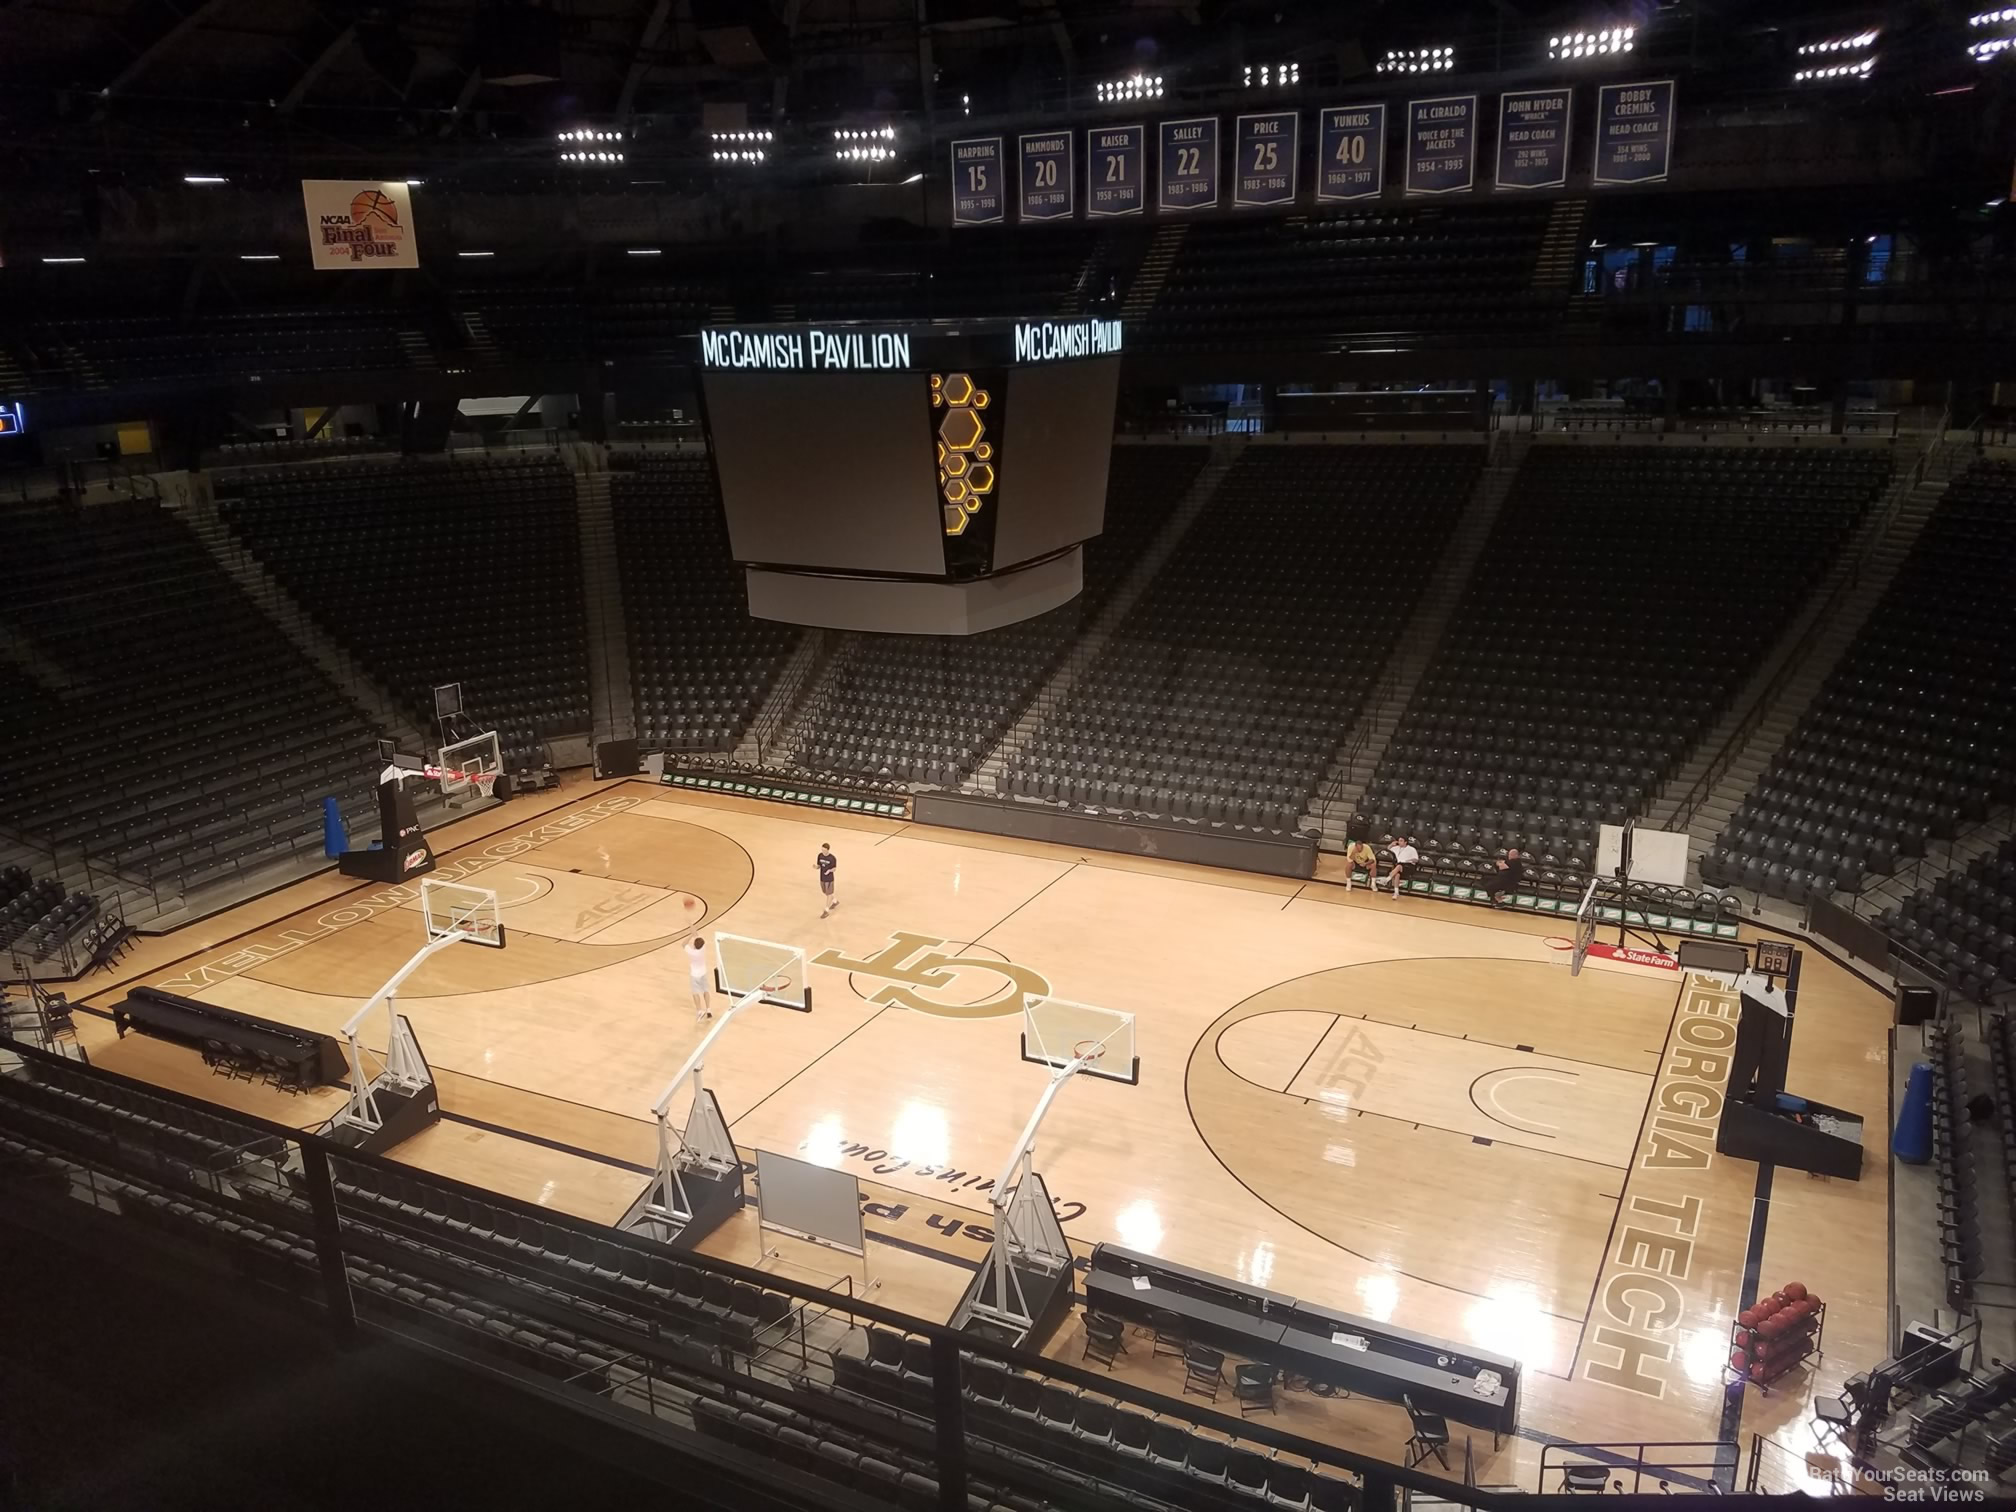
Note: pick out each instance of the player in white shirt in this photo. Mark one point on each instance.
(696, 978)
(1405, 858)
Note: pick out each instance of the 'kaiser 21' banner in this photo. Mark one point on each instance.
(979, 182)
(1115, 170)
(1441, 144)
(1634, 133)
(1533, 138)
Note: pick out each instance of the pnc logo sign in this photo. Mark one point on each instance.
(918, 973)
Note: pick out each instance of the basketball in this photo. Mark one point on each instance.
(373, 205)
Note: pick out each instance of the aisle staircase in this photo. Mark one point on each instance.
(1357, 757)
(1713, 782)
(1154, 270)
(609, 692)
(1092, 640)
(1559, 259)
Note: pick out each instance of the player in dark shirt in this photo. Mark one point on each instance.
(1509, 877)
(828, 865)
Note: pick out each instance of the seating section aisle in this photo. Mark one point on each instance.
(1964, 926)
(1298, 281)
(930, 708)
(700, 666)
(437, 572)
(1914, 733)
(193, 742)
(1623, 597)
(1231, 681)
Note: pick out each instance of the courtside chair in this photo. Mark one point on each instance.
(1203, 1371)
(1105, 1339)
(1171, 1337)
(1253, 1387)
(1430, 1435)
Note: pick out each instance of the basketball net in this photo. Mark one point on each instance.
(482, 782)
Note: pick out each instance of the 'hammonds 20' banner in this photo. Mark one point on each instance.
(359, 224)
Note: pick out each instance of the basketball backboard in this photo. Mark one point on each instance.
(469, 763)
(774, 973)
(1057, 1033)
(461, 911)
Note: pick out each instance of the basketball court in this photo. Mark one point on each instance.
(1404, 1109)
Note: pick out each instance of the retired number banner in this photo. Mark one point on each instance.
(1189, 176)
(979, 192)
(359, 224)
(1115, 170)
(1351, 152)
(1046, 176)
(1264, 149)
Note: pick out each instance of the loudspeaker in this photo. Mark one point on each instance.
(616, 758)
(503, 787)
(1916, 1005)
(1358, 828)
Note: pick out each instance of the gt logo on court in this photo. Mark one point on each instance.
(910, 961)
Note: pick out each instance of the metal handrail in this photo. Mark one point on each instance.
(1851, 574)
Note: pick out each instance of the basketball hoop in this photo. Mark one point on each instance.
(1089, 1051)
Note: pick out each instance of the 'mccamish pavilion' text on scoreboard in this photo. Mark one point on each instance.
(816, 349)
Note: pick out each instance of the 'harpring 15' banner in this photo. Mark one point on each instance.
(1115, 170)
(1441, 144)
(1351, 152)
(1046, 175)
(1533, 138)
(1189, 167)
(1634, 133)
(979, 190)
(359, 225)
(1264, 149)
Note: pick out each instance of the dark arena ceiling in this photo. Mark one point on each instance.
(481, 88)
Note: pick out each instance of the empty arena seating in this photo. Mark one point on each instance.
(930, 708)
(434, 572)
(1622, 598)
(699, 664)
(1964, 926)
(1914, 733)
(1297, 281)
(1953, 1161)
(192, 742)
(137, 351)
(1226, 688)
(630, 320)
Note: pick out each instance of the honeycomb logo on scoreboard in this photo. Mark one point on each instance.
(966, 465)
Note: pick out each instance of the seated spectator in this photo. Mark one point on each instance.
(1359, 856)
(1508, 877)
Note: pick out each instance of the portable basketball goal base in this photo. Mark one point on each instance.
(697, 1185)
(1024, 1289)
(391, 1105)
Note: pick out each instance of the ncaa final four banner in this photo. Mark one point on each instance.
(353, 224)
(1351, 152)
(1533, 138)
(1634, 133)
(979, 188)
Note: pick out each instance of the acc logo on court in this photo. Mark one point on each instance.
(913, 961)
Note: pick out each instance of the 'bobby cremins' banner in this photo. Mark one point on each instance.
(1634, 133)
(1264, 149)
(1046, 175)
(1351, 152)
(1115, 170)
(1441, 144)
(359, 225)
(1189, 177)
(1533, 138)
(979, 185)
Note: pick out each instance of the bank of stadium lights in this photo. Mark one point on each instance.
(870, 144)
(1994, 47)
(2004, 17)
(1417, 60)
(1857, 43)
(1273, 75)
(1138, 86)
(1835, 73)
(742, 146)
(1597, 44)
(591, 146)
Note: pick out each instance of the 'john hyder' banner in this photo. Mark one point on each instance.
(1533, 138)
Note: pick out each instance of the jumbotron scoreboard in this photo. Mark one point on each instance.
(934, 478)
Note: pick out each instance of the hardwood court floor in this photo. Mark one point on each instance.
(1405, 1109)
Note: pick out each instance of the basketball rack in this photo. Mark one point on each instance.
(389, 1106)
(1024, 1288)
(697, 1184)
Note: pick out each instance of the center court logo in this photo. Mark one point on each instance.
(917, 972)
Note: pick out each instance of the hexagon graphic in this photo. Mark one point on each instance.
(958, 388)
(984, 450)
(981, 398)
(956, 464)
(980, 478)
(956, 491)
(962, 429)
(955, 520)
